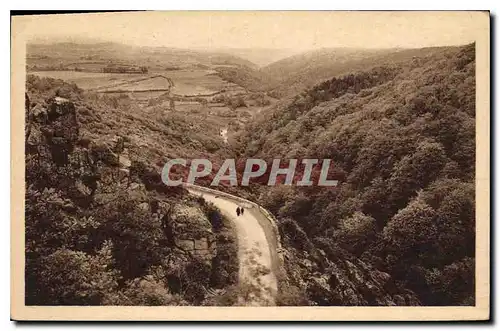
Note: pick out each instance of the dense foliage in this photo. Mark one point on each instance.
(104, 231)
(402, 137)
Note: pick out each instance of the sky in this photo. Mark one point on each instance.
(280, 30)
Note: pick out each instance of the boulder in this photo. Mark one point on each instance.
(191, 230)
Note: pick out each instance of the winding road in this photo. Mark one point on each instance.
(257, 278)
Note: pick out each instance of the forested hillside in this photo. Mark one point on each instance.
(101, 227)
(301, 71)
(247, 77)
(290, 76)
(402, 137)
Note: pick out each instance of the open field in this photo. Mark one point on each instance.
(89, 80)
(192, 90)
(189, 82)
(149, 94)
(198, 82)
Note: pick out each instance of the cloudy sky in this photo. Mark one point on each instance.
(292, 30)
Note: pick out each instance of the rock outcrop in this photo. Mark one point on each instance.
(191, 231)
(343, 281)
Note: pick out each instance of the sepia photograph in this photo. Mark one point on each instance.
(239, 165)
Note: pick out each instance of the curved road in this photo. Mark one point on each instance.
(258, 283)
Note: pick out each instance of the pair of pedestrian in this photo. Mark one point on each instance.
(239, 210)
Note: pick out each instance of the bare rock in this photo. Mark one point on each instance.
(344, 281)
(191, 230)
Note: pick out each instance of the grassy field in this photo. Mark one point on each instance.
(189, 82)
(192, 82)
(89, 80)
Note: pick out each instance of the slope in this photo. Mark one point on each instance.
(101, 227)
(402, 138)
(289, 76)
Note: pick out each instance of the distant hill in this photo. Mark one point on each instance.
(305, 70)
(291, 75)
(260, 56)
(287, 76)
(290, 66)
(65, 53)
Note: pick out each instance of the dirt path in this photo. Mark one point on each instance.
(257, 280)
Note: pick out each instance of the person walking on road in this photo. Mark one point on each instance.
(238, 211)
(242, 210)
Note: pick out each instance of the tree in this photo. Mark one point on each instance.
(139, 240)
(454, 202)
(147, 291)
(356, 232)
(77, 278)
(413, 226)
(415, 171)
